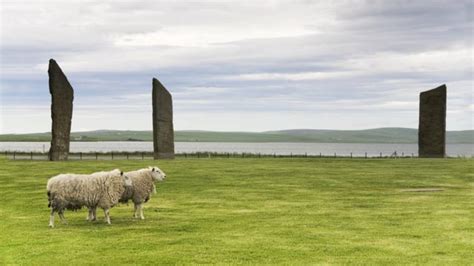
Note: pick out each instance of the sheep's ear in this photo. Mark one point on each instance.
(121, 172)
(153, 169)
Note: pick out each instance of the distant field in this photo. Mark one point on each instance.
(253, 211)
(380, 135)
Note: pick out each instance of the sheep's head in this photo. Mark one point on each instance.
(127, 181)
(157, 174)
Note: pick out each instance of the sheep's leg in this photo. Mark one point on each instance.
(135, 208)
(51, 218)
(61, 216)
(141, 212)
(94, 213)
(107, 216)
(90, 215)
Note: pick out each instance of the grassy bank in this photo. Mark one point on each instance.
(377, 135)
(297, 211)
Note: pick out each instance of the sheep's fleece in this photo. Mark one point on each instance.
(73, 191)
(143, 185)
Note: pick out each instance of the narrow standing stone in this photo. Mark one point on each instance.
(163, 132)
(62, 96)
(432, 123)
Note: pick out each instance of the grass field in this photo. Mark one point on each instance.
(253, 211)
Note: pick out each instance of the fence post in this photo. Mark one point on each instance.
(351, 155)
(380, 155)
(112, 154)
(365, 155)
(80, 155)
(127, 155)
(143, 157)
(96, 156)
(14, 153)
(412, 155)
(31, 156)
(335, 156)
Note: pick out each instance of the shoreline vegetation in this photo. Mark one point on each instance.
(140, 155)
(378, 135)
(97, 156)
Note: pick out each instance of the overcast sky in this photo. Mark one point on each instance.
(237, 65)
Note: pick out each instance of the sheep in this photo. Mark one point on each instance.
(143, 185)
(73, 191)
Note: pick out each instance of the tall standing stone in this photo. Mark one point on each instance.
(163, 132)
(432, 123)
(62, 96)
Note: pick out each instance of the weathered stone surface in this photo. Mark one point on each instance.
(432, 123)
(163, 132)
(62, 96)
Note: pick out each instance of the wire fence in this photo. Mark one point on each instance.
(21, 155)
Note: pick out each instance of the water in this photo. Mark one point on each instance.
(279, 148)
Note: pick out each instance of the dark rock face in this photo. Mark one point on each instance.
(62, 96)
(163, 132)
(432, 123)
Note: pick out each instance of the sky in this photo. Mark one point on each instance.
(237, 65)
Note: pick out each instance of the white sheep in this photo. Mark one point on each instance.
(73, 191)
(143, 185)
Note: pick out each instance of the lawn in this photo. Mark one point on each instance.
(253, 211)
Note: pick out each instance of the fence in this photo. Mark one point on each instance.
(14, 155)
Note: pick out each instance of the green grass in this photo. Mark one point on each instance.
(253, 211)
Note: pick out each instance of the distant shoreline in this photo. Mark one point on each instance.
(188, 141)
(378, 135)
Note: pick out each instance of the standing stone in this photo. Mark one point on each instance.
(163, 132)
(62, 96)
(432, 123)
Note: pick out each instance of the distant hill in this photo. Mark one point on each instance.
(378, 135)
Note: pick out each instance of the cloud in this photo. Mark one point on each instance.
(316, 63)
(292, 76)
(205, 36)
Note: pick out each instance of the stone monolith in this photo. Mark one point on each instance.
(432, 123)
(62, 96)
(163, 132)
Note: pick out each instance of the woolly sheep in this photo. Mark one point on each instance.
(143, 185)
(73, 191)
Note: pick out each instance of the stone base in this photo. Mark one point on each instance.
(57, 156)
(163, 155)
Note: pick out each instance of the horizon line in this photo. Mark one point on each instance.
(233, 131)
